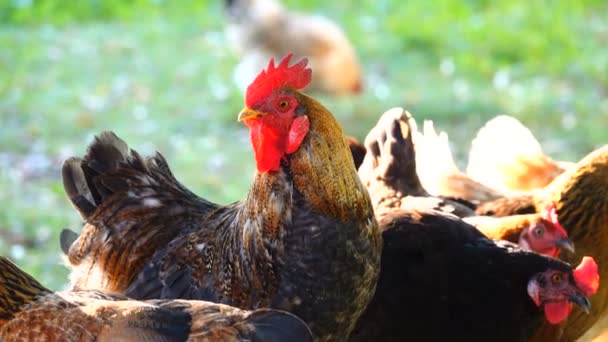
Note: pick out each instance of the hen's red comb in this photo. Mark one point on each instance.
(296, 76)
(586, 277)
(549, 213)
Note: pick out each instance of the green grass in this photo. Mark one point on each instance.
(159, 74)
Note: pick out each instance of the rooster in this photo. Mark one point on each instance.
(510, 165)
(31, 312)
(441, 279)
(261, 29)
(304, 239)
(579, 194)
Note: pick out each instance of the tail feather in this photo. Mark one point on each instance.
(275, 326)
(434, 161)
(81, 176)
(438, 172)
(76, 187)
(506, 156)
(66, 239)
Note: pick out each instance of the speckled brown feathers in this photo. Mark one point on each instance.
(304, 240)
(41, 315)
(126, 201)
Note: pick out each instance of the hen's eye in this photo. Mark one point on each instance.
(283, 104)
(556, 279)
(538, 231)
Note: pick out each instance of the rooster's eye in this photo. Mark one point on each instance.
(556, 279)
(538, 231)
(283, 104)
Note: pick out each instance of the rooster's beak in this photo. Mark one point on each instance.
(565, 244)
(247, 114)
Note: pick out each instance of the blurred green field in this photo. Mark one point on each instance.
(159, 73)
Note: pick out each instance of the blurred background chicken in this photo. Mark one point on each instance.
(264, 29)
(31, 312)
(507, 157)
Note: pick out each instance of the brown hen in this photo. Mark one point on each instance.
(31, 312)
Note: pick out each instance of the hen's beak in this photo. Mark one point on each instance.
(581, 301)
(565, 244)
(247, 114)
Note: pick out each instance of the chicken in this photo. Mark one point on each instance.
(31, 312)
(438, 172)
(393, 182)
(541, 233)
(304, 239)
(582, 208)
(441, 279)
(262, 29)
(580, 199)
(507, 164)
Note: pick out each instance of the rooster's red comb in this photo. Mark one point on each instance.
(586, 276)
(296, 76)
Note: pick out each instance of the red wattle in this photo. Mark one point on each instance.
(556, 312)
(269, 145)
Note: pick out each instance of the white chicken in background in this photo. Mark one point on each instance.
(262, 29)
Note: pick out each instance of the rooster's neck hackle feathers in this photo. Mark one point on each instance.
(323, 168)
(17, 289)
(274, 77)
